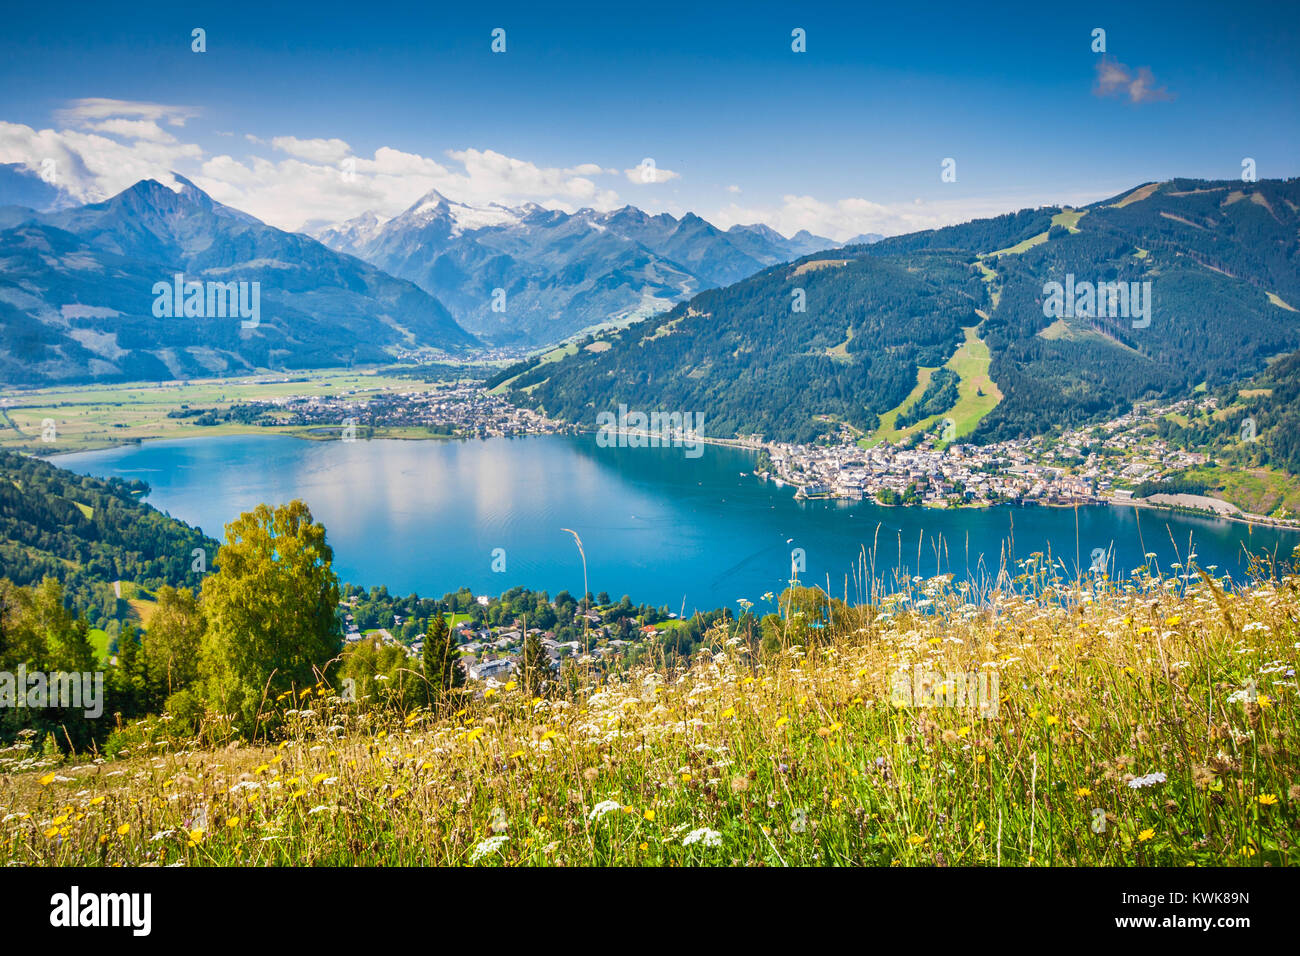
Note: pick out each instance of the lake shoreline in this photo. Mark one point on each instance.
(430, 517)
(413, 434)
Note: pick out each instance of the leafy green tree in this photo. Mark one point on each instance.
(383, 675)
(38, 632)
(66, 637)
(272, 627)
(173, 641)
(134, 693)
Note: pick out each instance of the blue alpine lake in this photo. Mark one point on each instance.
(691, 533)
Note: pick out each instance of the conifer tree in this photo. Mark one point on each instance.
(441, 659)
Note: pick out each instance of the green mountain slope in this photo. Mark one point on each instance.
(1221, 258)
(745, 358)
(88, 533)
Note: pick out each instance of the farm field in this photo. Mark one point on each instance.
(99, 416)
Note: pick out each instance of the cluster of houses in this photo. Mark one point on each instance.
(1065, 469)
(493, 654)
(464, 409)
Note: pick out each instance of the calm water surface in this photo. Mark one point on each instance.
(426, 516)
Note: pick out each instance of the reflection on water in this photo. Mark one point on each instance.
(425, 516)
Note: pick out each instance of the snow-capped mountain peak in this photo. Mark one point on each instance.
(564, 271)
(462, 216)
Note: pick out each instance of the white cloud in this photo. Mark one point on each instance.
(290, 192)
(845, 218)
(316, 150)
(493, 177)
(733, 189)
(108, 145)
(133, 129)
(91, 167)
(82, 111)
(647, 173)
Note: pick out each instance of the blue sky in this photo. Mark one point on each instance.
(846, 137)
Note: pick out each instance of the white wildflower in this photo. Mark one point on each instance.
(703, 835)
(1150, 780)
(488, 847)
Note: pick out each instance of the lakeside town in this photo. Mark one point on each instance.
(459, 410)
(1100, 463)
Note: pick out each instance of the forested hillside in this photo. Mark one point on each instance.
(1222, 260)
(1256, 423)
(750, 362)
(88, 533)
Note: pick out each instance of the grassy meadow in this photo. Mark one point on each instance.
(977, 394)
(1150, 721)
(88, 417)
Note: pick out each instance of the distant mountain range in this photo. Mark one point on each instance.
(558, 273)
(845, 336)
(78, 299)
(80, 294)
